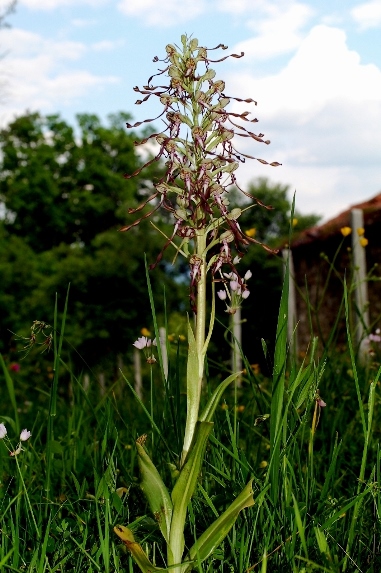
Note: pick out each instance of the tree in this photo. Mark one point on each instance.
(64, 198)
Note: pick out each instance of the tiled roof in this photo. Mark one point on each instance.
(372, 214)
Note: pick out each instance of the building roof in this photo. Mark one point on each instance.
(372, 214)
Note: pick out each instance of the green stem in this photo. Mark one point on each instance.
(197, 349)
(201, 304)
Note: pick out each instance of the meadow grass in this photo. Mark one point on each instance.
(316, 470)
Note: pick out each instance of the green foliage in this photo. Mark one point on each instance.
(272, 225)
(260, 311)
(93, 463)
(64, 198)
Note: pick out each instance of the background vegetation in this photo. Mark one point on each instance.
(63, 200)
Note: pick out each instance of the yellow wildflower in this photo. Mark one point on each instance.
(345, 231)
(145, 332)
(363, 242)
(251, 232)
(294, 222)
(255, 368)
(263, 464)
(361, 231)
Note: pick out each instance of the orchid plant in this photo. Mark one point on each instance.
(201, 160)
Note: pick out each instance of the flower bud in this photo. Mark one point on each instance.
(221, 294)
(181, 214)
(193, 44)
(227, 236)
(3, 431)
(234, 214)
(25, 435)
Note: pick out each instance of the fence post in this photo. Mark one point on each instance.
(163, 347)
(236, 357)
(361, 284)
(138, 373)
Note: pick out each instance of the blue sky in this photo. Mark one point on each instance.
(314, 68)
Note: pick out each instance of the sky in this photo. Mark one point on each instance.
(313, 67)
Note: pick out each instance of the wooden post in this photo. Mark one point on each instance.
(138, 373)
(291, 317)
(163, 347)
(236, 357)
(359, 273)
(86, 382)
(102, 383)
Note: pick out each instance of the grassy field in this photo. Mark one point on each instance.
(315, 468)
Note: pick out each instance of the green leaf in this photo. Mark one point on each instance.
(216, 533)
(136, 550)
(11, 391)
(184, 489)
(213, 401)
(193, 393)
(278, 386)
(155, 491)
(56, 447)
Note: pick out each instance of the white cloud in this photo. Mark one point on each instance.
(52, 4)
(322, 113)
(279, 32)
(240, 6)
(106, 45)
(17, 42)
(39, 73)
(83, 22)
(367, 15)
(163, 12)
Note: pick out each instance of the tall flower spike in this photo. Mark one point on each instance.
(197, 145)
